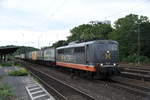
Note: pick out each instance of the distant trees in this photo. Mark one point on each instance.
(59, 43)
(24, 49)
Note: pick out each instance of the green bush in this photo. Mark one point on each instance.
(6, 64)
(16, 64)
(9, 64)
(20, 72)
(135, 58)
(5, 92)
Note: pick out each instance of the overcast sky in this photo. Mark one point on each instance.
(40, 23)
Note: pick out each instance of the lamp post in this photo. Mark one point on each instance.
(139, 43)
(39, 40)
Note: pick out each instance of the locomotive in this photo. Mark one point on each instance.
(97, 58)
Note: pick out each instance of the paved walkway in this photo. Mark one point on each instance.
(24, 87)
(17, 83)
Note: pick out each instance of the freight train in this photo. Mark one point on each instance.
(97, 58)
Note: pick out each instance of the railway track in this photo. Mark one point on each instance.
(142, 70)
(137, 70)
(130, 85)
(136, 73)
(61, 89)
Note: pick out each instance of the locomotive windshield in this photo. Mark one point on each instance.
(104, 47)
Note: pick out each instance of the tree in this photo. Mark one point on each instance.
(126, 33)
(59, 43)
(24, 49)
(145, 38)
(90, 31)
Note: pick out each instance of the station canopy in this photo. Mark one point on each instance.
(7, 50)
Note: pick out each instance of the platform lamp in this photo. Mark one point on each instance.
(138, 41)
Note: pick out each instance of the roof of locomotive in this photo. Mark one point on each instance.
(89, 42)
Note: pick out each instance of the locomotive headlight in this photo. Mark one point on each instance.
(101, 64)
(108, 51)
(114, 64)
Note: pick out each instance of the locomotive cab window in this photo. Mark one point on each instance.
(112, 47)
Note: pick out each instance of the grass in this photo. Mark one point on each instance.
(17, 64)
(36, 79)
(9, 64)
(5, 92)
(6, 64)
(20, 72)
